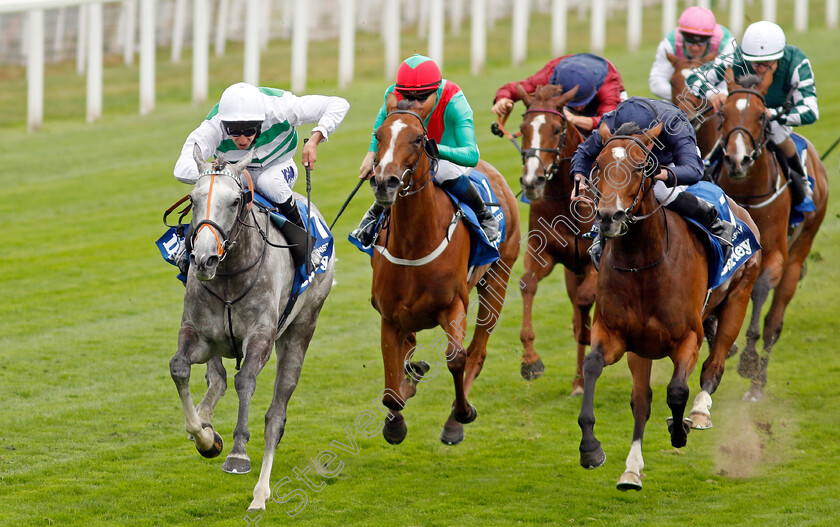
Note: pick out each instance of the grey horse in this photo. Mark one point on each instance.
(237, 289)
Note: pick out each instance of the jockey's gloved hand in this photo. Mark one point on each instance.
(182, 259)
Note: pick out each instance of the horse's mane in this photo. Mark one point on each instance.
(629, 128)
(748, 80)
(404, 104)
(547, 91)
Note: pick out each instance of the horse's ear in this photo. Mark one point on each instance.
(567, 96)
(730, 80)
(391, 102)
(243, 163)
(765, 83)
(523, 95)
(708, 57)
(427, 106)
(201, 163)
(652, 134)
(604, 130)
(673, 59)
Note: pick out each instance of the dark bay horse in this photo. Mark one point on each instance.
(420, 274)
(555, 224)
(652, 298)
(701, 114)
(752, 177)
(237, 288)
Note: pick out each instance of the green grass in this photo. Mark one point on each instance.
(91, 431)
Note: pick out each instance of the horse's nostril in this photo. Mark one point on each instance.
(619, 216)
(212, 262)
(393, 182)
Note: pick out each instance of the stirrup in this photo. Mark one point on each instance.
(724, 232)
(596, 250)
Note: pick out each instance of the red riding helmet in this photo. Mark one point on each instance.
(418, 73)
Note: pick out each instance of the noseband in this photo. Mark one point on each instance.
(223, 239)
(757, 144)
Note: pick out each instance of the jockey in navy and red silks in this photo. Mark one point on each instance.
(676, 152)
(600, 88)
(450, 125)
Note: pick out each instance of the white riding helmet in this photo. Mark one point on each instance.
(241, 102)
(763, 41)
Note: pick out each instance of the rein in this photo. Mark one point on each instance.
(649, 169)
(406, 189)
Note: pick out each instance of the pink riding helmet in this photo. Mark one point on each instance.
(697, 21)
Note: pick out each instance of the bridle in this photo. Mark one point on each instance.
(553, 168)
(757, 144)
(410, 172)
(223, 239)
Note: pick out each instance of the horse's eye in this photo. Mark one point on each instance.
(558, 130)
(417, 140)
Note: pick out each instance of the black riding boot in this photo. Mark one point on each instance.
(295, 233)
(367, 227)
(470, 195)
(712, 163)
(799, 187)
(704, 213)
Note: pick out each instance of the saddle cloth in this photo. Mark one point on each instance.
(744, 242)
(481, 250)
(173, 239)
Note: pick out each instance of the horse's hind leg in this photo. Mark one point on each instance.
(257, 350)
(208, 442)
(677, 398)
(581, 291)
(640, 404)
(216, 385)
(532, 366)
(392, 340)
(414, 370)
(291, 349)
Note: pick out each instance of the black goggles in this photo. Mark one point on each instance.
(247, 129)
(696, 39)
(413, 95)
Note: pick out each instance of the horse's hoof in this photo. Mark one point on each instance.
(416, 370)
(216, 449)
(577, 391)
(472, 413)
(732, 351)
(700, 421)
(676, 441)
(237, 464)
(533, 371)
(594, 459)
(452, 433)
(754, 394)
(629, 481)
(749, 365)
(395, 430)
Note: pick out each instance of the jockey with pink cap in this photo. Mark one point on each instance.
(697, 34)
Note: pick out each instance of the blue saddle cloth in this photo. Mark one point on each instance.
(173, 239)
(744, 243)
(481, 250)
(797, 212)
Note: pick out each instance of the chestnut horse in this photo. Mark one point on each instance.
(752, 177)
(555, 226)
(652, 298)
(700, 113)
(420, 272)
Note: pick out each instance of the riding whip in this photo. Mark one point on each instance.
(308, 214)
(358, 185)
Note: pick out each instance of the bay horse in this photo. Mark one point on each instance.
(652, 298)
(701, 114)
(420, 272)
(751, 175)
(237, 288)
(555, 223)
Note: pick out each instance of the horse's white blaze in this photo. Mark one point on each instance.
(388, 156)
(741, 104)
(532, 164)
(740, 147)
(619, 153)
(634, 462)
(531, 167)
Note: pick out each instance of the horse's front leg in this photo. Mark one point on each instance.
(606, 349)
(208, 442)
(216, 385)
(257, 349)
(685, 358)
(537, 267)
(392, 340)
(291, 349)
(749, 364)
(640, 404)
(454, 323)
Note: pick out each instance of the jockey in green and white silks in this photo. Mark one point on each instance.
(264, 119)
(697, 35)
(450, 125)
(791, 99)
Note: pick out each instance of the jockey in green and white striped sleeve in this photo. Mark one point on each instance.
(791, 99)
(265, 119)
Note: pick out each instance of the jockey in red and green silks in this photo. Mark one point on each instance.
(450, 125)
